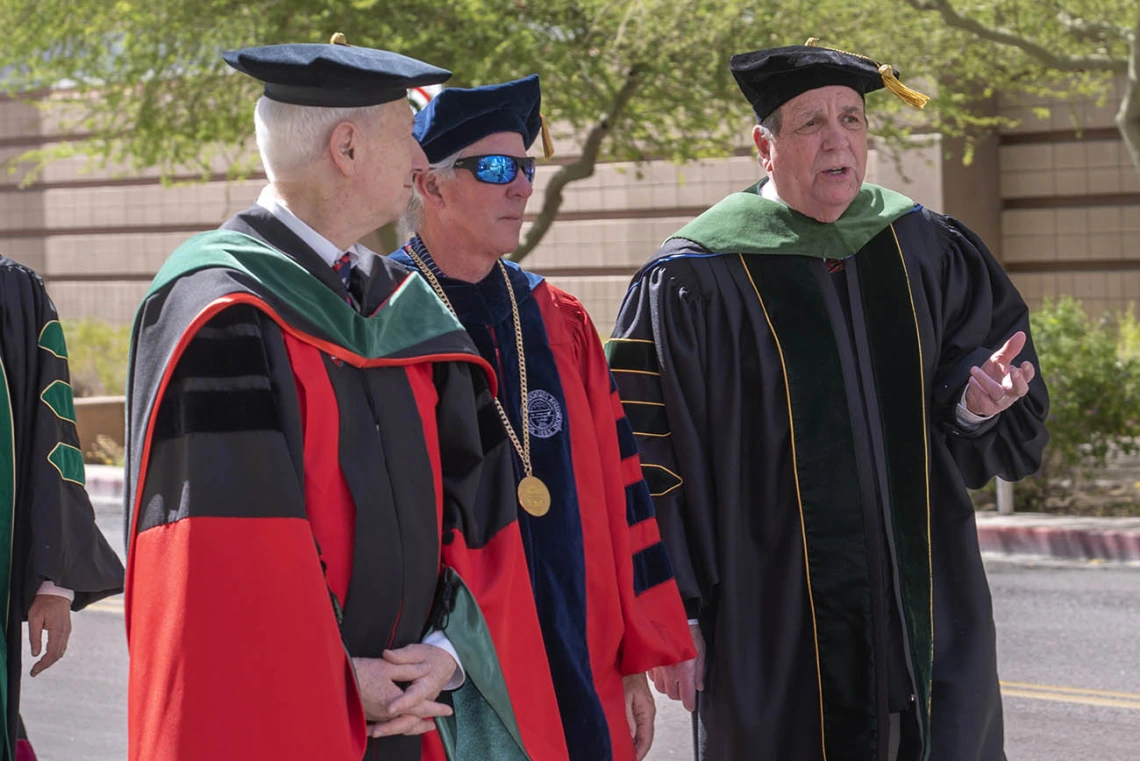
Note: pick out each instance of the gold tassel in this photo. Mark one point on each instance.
(907, 95)
(887, 72)
(338, 38)
(547, 141)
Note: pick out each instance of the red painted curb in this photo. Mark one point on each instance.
(1078, 544)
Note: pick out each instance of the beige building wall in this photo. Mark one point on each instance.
(1070, 215)
(1060, 208)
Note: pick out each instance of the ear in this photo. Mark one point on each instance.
(344, 142)
(763, 148)
(428, 186)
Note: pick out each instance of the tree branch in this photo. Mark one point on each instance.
(1012, 39)
(1094, 29)
(1128, 117)
(579, 170)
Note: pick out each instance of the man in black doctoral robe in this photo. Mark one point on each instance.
(817, 369)
(57, 559)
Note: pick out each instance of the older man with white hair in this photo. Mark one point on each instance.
(302, 416)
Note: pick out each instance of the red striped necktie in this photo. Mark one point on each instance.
(343, 269)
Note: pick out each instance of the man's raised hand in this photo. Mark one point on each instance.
(998, 383)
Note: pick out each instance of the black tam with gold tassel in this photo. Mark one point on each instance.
(770, 78)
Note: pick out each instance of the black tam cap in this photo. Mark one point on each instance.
(770, 78)
(336, 75)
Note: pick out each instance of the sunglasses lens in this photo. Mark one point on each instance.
(528, 168)
(497, 170)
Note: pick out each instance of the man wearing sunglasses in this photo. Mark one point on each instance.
(601, 602)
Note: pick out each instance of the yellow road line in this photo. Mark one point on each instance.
(1072, 690)
(110, 605)
(1068, 698)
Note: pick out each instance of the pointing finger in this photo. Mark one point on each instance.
(1008, 352)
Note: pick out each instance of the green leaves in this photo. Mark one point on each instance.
(98, 360)
(1092, 369)
(146, 82)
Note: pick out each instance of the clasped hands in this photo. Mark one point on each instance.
(412, 710)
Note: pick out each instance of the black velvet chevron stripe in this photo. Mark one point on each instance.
(626, 442)
(651, 567)
(895, 355)
(659, 479)
(638, 503)
(640, 356)
(222, 381)
(224, 356)
(647, 418)
(221, 411)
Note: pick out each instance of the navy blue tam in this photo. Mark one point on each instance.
(458, 117)
(336, 75)
(770, 78)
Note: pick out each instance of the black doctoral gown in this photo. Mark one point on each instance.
(46, 520)
(797, 428)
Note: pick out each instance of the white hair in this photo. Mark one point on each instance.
(413, 216)
(770, 124)
(291, 137)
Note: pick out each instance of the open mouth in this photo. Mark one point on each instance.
(836, 172)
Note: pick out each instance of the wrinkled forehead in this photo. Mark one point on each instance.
(837, 97)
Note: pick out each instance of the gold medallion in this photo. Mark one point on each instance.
(534, 496)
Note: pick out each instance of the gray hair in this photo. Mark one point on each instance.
(291, 137)
(770, 124)
(413, 216)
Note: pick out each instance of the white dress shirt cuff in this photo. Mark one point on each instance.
(438, 639)
(967, 419)
(48, 588)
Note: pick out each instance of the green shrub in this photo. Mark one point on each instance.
(1129, 329)
(1092, 369)
(97, 354)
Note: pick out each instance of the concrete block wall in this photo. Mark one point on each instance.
(1068, 219)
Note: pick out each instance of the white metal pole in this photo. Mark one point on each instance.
(1004, 497)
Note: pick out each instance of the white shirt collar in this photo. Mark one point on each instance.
(360, 256)
(768, 190)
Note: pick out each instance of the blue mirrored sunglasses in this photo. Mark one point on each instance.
(497, 169)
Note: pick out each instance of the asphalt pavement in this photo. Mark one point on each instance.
(1068, 650)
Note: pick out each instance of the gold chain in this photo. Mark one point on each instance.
(523, 446)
